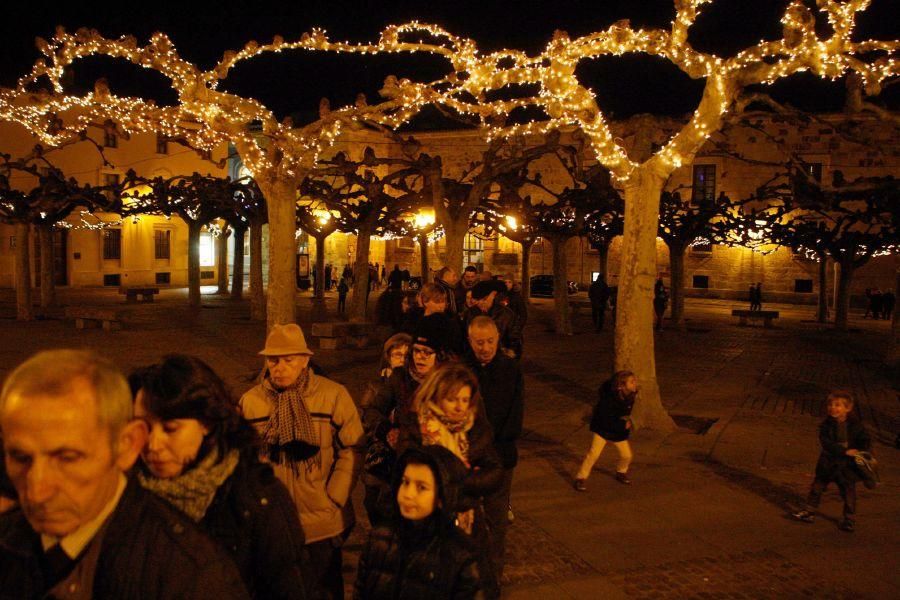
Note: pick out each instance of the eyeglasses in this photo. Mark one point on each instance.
(420, 351)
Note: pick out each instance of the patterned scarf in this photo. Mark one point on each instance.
(290, 435)
(193, 491)
(439, 430)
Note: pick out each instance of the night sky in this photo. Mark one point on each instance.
(293, 83)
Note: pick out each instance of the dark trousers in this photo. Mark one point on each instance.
(496, 507)
(342, 302)
(326, 565)
(848, 495)
(598, 314)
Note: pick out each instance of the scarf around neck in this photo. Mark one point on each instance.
(290, 435)
(439, 430)
(193, 491)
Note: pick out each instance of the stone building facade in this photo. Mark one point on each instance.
(734, 162)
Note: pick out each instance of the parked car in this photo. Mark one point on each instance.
(542, 285)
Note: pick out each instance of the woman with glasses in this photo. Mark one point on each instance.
(387, 412)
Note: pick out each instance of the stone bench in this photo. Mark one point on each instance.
(744, 315)
(91, 316)
(131, 293)
(334, 335)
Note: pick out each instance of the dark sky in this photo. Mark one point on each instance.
(294, 82)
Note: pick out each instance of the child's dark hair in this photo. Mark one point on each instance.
(619, 379)
(185, 387)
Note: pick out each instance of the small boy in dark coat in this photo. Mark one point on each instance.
(842, 436)
(611, 422)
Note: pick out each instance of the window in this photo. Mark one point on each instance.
(803, 286)
(110, 139)
(112, 280)
(701, 282)
(406, 243)
(207, 250)
(704, 190)
(162, 146)
(162, 244)
(207, 274)
(112, 244)
(163, 278)
(473, 250)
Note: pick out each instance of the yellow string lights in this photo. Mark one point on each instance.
(206, 117)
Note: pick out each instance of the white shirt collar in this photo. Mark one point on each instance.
(76, 541)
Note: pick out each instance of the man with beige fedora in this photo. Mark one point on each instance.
(312, 435)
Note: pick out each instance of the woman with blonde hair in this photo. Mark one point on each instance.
(450, 414)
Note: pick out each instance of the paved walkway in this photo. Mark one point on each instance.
(706, 515)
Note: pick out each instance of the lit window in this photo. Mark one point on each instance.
(207, 250)
(704, 191)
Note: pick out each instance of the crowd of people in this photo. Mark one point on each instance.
(163, 484)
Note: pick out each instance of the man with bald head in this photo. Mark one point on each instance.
(82, 528)
(502, 387)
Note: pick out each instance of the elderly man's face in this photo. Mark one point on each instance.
(61, 459)
(484, 342)
(285, 370)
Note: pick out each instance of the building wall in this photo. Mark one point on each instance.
(84, 262)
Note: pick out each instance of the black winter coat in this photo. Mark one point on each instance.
(253, 517)
(149, 550)
(417, 562)
(834, 464)
(502, 388)
(612, 414)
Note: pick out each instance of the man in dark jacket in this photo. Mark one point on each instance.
(599, 295)
(83, 530)
(502, 388)
(484, 293)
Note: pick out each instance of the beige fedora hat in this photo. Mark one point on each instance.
(284, 340)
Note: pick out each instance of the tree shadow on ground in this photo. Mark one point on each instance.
(780, 495)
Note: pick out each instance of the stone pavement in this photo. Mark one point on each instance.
(706, 516)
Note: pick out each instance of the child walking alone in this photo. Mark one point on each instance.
(842, 436)
(611, 423)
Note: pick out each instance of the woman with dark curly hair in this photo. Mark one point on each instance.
(201, 457)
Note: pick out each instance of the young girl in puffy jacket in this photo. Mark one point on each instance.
(419, 552)
(611, 422)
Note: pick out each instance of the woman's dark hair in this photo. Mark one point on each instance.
(185, 387)
(619, 379)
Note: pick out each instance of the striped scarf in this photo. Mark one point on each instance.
(290, 435)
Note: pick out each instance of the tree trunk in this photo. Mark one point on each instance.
(563, 324)
(48, 279)
(676, 266)
(842, 303)
(835, 284)
(634, 349)
(423, 250)
(24, 310)
(822, 311)
(360, 297)
(603, 259)
(237, 263)
(194, 263)
(319, 312)
(455, 239)
(222, 260)
(281, 200)
(257, 293)
(526, 269)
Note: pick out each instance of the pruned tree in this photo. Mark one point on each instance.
(197, 199)
(849, 222)
(366, 197)
(684, 223)
(43, 207)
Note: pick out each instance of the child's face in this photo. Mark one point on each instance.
(456, 406)
(838, 409)
(417, 494)
(398, 356)
(631, 385)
